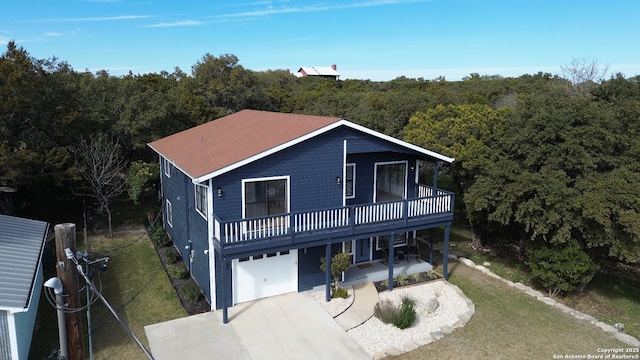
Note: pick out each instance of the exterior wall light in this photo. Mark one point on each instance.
(219, 192)
(337, 180)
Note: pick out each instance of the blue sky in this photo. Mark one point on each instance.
(367, 39)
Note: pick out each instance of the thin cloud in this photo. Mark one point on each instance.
(103, 18)
(51, 34)
(176, 23)
(270, 10)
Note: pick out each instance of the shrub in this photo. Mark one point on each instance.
(560, 267)
(190, 291)
(401, 280)
(178, 271)
(407, 314)
(159, 236)
(172, 255)
(340, 292)
(401, 317)
(433, 275)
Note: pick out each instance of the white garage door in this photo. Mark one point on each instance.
(265, 275)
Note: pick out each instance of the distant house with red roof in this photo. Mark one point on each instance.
(254, 199)
(327, 72)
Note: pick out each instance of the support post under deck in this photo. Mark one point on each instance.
(391, 260)
(328, 272)
(445, 251)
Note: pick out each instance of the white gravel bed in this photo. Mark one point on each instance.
(379, 339)
(336, 306)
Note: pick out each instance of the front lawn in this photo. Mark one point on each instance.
(509, 324)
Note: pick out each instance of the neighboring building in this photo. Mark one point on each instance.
(21, 279)
(254, 199)
(327, 72)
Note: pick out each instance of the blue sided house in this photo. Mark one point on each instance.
(253, 200)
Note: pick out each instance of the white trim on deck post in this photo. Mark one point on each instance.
(344, 173)
(212, 257)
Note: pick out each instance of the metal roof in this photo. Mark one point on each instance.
(319, 71)
(21, 244)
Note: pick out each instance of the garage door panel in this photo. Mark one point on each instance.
(266, 275)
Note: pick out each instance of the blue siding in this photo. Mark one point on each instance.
(309, 274)
(313, 167)
(220, 284)
(365, 170)
(188, 227)
(199, 243)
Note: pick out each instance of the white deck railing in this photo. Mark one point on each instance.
(261, 228)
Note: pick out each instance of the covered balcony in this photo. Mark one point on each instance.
(431, 208)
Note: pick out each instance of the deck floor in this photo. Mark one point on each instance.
(378, 271)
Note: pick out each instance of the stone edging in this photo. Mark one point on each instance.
(627, 339)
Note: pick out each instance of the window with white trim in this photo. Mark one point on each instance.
(350, 181)
(167, 168)
(266, 197)
(201, 199)
(399, 240)
(169, 214)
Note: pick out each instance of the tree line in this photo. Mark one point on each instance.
(547, 163)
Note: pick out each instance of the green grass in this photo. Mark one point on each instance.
(509, 324)
(611, 299)
(135, 285)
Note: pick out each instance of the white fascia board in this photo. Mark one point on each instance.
(397, 141)
(172, 163)
(267, 152)
(314, 134)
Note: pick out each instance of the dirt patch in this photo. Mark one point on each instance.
(400, 281)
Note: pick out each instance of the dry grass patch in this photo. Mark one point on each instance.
(509, 324)
(138, 287)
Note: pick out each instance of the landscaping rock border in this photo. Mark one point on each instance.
(626, 338)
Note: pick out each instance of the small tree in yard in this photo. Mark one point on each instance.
(142, 186)
(339, 263)
(102, 164)
(560, 267)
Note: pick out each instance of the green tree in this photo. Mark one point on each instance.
(566, 170)
(143, 185)
(38, 104)
(340, 263)
(463, 132)
(560, 267)
(219, 86)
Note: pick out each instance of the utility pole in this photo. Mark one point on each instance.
(68, 274)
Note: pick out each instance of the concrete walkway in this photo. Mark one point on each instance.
(365, 299)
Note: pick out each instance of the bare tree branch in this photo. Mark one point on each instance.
(102, 167)
(583, 75)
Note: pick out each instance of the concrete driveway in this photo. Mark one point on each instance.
(289, 326)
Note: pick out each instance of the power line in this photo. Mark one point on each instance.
(72, 257)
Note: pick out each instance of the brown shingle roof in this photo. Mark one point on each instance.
(231, 139)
